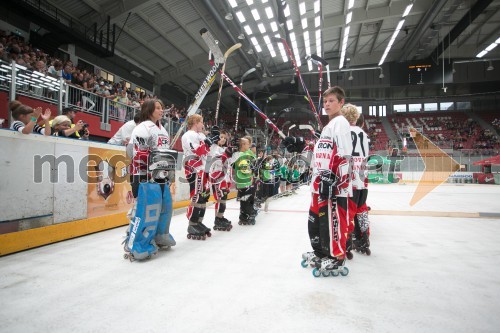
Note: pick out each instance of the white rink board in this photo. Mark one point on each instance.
(20, 197)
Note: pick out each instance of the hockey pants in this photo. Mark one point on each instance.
(199, 194)
(220, 191)
(327, 226)
(359, 212)
(246, 197)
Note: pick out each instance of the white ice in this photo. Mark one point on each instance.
(425, 274)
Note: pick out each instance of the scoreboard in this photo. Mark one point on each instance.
(420, 72)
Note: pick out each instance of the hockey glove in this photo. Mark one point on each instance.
(327, 185)
(294, 144)
(229, 151)
(215, 131)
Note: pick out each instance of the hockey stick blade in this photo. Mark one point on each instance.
(198, 98)
(221, 82)
(316, 58)
(212, 45)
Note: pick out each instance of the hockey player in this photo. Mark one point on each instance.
(358, 210)
(244, 180)
(150, 217)
(220, 180)
(196, 147)
(266, 174)
(328, 221)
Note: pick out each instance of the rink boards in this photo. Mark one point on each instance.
(54, 189)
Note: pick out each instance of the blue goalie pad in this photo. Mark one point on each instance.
(163, 236)
(145, 222)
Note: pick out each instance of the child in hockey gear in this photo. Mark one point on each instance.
(358, 210)
(243, 177)
(327, 222)
(220, 180)
(153, 166)
(196, 147)
(266, 172)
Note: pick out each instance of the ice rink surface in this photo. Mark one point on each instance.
(426, 274)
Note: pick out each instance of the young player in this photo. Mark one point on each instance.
(358, 210)
(196, 147)
(244, 180)
(266, 174)
(220, 180)
(328, 221)
(150, 217)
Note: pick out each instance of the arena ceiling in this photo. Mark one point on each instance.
(162, 36)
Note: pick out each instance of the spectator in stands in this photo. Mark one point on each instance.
(61, 126)
(78, 80)
(123, 135)
(56, 69)
(3, 54)
(40, 67)
(66, 73)
(25, 119)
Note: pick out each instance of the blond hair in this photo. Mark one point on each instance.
(59, 120)
(194, 119)
(350, 112)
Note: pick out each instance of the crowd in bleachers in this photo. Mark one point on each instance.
(13, 48)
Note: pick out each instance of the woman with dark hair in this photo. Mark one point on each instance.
(150, 184)
(25, 119)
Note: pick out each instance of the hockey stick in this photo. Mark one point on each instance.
(255, 107)
(325, 63)
(221, 82)
(320, 62)
(242, 94)
(248, 72)
(202, 91)
(297, 71)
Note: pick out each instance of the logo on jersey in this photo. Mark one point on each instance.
(163, 141)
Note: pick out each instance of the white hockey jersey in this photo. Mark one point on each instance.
(147, 136)
(360, 153)
(332, 152)
(195, 151)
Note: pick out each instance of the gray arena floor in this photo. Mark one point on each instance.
(435, 267)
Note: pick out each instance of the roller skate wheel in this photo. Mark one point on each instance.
(189, 236)
(316, 272)
(125, 256)
(349, 255)
(216, 228)
(253, 222)
(203, 237)
(303, 263)
(344, 271)
(209, 234)
(240, 223)
(325, 273)
(368, 252)
(335, 273)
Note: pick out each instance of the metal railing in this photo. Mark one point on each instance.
(18, 80)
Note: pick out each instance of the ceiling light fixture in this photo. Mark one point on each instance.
(229, 17)
(381, 76)
(350, 76)
(490, 67)
(241, 36)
